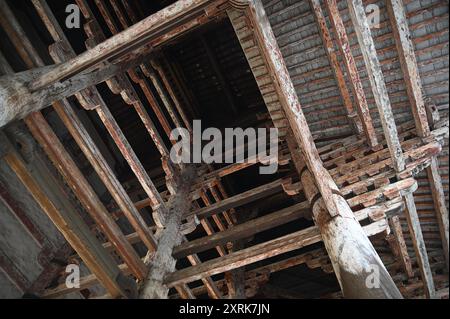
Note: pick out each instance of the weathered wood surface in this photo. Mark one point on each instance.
(53, 147)
(238, 200)
(397, 232)
(365, 40)
(69, 223)
(408, 63)
(351, 252)
(240, 231)
(364, 121)
(439, 204)
(136, 36)
(162, 261)
(93, 154)
(258, 252)
(419, 245)
(288, 97)
(376, 78)
(415, 93)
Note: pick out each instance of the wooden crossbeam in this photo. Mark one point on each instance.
(376, 78)
(333, 215)
(397, 232)
(350, 66)
(132, 38)
(408, 63)
(69, 223)
(238, 200)
(243, 230)
(258, 252)
(411, 75)
(365, 40)
(353, 117)
(43, 133)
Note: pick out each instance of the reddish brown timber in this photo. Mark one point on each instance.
(376, 78)
(157, 66)
(69, 223)
(43, 133)
(246, 256)
(439, 204)
(93, 154)
(336, 207)
(408, 63)
(415, 92)
(286, 94)
(258, 252)
(242, 230)
(397, 232)
(128, 40)
(352, 71)
(238, 200)
(353, 117)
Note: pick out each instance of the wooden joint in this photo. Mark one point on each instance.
(291, 188)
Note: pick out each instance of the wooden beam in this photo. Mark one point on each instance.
(376, 78)
(98, 162)
(18, 101)
(397, 232)
(43, 133)
(137, 35)
(162, 261)
(365, 40)
(350, 66)
(419, 245)
(411, 75)
(246, 256)
(238, 200)
(287, 96)
(336, 214)
(352, 116)
(408, 63)
(258, 252)
(240, 231)
(158, 67)
(69, 223)
(439, 203)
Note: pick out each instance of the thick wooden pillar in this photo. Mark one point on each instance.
(162, 262)
(332, 214)
(358, 268)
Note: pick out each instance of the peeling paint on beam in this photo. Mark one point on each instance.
(134, 37)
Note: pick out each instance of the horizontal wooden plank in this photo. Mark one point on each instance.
(238, 200)
(241, 231)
